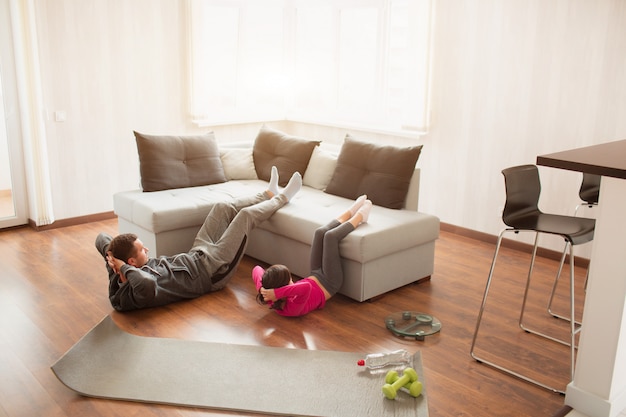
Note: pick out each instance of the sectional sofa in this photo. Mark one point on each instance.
(182, 177)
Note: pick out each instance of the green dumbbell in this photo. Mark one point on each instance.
(413, 387)
(408, 380)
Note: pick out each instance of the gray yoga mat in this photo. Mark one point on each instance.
(110, 363)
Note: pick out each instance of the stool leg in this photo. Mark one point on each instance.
(554, 286)
(569, 246)
(484, 302)
(530, 272)
(573, 329)
(556, 281)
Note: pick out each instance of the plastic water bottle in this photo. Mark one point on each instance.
(380, 360)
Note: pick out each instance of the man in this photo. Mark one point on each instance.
(138, 281)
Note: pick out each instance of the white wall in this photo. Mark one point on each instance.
(512, 79)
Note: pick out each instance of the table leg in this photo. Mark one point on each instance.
(599, 385)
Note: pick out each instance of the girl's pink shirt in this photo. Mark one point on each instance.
(302, 296)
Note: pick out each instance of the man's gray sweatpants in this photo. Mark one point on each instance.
(224, 235)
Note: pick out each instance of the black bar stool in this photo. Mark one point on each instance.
(521, 213)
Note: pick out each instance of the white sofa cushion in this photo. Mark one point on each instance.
(320, 170)
(165, 210)
(238, 163)
(388, 230)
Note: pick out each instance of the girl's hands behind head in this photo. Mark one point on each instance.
(268, 294)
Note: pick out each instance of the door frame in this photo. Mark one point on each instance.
(13, 120)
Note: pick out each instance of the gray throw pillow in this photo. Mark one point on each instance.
(383, 172)
(288, 153)
(167, 162)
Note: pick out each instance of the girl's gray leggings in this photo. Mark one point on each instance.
(325, 259)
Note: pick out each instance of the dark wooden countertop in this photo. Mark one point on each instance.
(606, 159)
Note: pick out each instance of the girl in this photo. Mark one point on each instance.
(275, 285)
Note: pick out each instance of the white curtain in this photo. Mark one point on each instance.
(237, 61)
(31, 110)
(363, 63)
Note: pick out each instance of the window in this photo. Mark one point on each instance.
(237, 61)
(361, 63)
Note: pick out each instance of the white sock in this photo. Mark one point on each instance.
(357, 204)
(365, 210)
(273, 187)
(293, 186)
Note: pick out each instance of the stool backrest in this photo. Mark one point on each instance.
(590, 188)
(522, 193)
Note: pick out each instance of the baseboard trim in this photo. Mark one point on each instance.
(563, 411)
(73, 221)
(512, 244)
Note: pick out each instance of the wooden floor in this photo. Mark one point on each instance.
(53, 289)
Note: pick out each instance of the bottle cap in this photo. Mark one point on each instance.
(361, 362)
